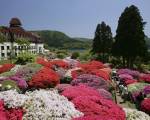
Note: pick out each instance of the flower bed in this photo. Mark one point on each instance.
(44, 78)
(40, 105)
(81, 90)
(6, 67)
(93, 105)
(145, 105)
(133, 114)
(92, 81)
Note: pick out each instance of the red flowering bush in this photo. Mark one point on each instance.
(145, 105)
(60, 63)
(14, 114)
(92, 65)
(44, 62)
(10, 114)
(94, 105)
(76, 73)
(44, 78)
(3, 115)
(145, 77)
(100, 73)
(81, 90)
(130, 81)
(6, 67)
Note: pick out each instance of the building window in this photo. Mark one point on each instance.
(8, 47)
(2, 47)
(3, 54)
(8, 54)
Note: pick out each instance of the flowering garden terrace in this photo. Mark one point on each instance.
(67, 89)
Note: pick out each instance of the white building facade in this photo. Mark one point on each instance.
(35, 45)
(5, 49)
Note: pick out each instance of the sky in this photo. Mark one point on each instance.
(76, 18)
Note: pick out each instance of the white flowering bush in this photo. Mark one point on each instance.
(16, 68)
(12, 99)
(41, 105)
(133, 114)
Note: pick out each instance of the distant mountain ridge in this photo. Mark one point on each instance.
(57, 39)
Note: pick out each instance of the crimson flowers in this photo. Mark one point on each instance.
(44, 78)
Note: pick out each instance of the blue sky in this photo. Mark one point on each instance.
(77, 18)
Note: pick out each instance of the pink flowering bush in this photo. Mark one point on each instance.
(94, 105)
(92, 81)
(105, 94)
(145, 105)
(10, 114)
(133, 73)
(125, 76)
(95, 117)
(81, 90)
(62, 87)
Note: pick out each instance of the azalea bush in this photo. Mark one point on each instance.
(6, 67)
(72, 63)
(27, 71)
(81, 90)
(60, 63)
(133, 114)
(105, 94)
(40, 105)
(145, 105)
(136, 87)
(10, 114)
(92, 65)
(62, 87)
(145, 77)
(146, 90)
(44, 78)
(125, 76)
(94, 105)
(133, 73)
(44, 62)
(92, 81)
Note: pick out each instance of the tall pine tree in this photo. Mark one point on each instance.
(130, 37)
(102, 41)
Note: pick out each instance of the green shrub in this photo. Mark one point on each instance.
(8, 84)
(25, 57)
(75, 55)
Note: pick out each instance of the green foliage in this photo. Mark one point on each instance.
(23, 41)
(130, 38)
(8, 84)
(59, 40)
(61, 55)
(25, 57)
(7, 74)
(103, 40)
(75, 55)
(2, 38)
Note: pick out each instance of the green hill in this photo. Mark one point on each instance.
(58, 39)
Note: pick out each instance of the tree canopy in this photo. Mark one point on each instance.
(130, 37)
(102, 41)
